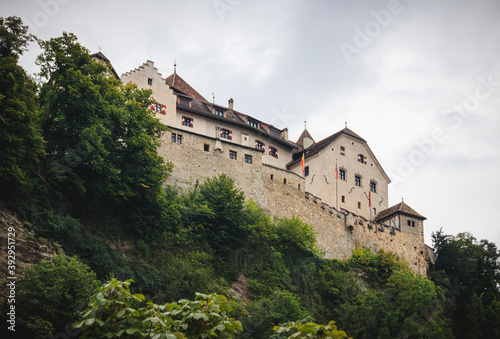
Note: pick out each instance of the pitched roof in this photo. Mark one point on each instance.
(322, 144)
(305, 134)
(401, 208)
(176, 82)
(102, 57)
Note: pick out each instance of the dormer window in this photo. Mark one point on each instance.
(260, 145)
(184, 101)
(218, 112)
(253, 123)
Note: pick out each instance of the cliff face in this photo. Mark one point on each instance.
(28, 249)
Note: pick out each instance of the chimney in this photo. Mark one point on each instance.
(284, 133)
(230, 103)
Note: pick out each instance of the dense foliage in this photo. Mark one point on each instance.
(80, 154)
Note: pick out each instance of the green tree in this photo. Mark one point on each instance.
(470, 271)
(101, 137)
(54, 291)
(21, 144)
(219, 213)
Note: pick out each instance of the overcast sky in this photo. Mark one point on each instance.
(419, 80)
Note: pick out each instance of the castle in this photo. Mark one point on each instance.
(335, 184)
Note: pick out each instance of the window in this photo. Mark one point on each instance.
(359, 204)
(206, 147)
(343, 199)
(374, 211)
(150, 81)
(342, 174)
(284, 181)
(342, 150)
(260, 145)
(184, 101)
(272, 176)
(219, 112)
(306, 171)
(248, 159)
(159, 108)
(226, 134)
(361, 158)
(411, 223)
(357, 180)
(189, 122)
(176, 138)
(232, 155)
(373, 187)
(273, 151)
(253, 123)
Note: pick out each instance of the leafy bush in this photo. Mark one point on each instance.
(53, 291)
(112, 312)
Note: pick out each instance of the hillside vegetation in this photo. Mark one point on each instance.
(79, 166)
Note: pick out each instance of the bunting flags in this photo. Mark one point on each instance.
(302, 162)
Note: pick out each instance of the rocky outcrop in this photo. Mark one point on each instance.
(27, 249)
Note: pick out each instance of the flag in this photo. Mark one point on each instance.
(336, 171)
(369, 198)
(302, 161)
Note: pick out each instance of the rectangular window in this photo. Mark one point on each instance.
(206, 147)
(174, 137)
(342, 174)
(260, 145)
(150, 81)
(361, 158)
(373, 187)
(374, 211)
(306, 171)
(411, 223)
(179, 139)
(359, 204)
(248, 159)
(273, 151)
(343, 199)
(357, 180)
(284, 181)
(189, 122)
(219, 112)
(342, 150)
(232, 155)
(226, 134)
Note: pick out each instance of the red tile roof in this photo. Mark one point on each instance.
(182, 86)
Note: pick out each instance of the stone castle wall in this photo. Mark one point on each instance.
(282, 193)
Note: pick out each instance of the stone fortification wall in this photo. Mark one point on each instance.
(282, 193)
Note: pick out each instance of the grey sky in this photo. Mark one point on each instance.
(419, 80)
